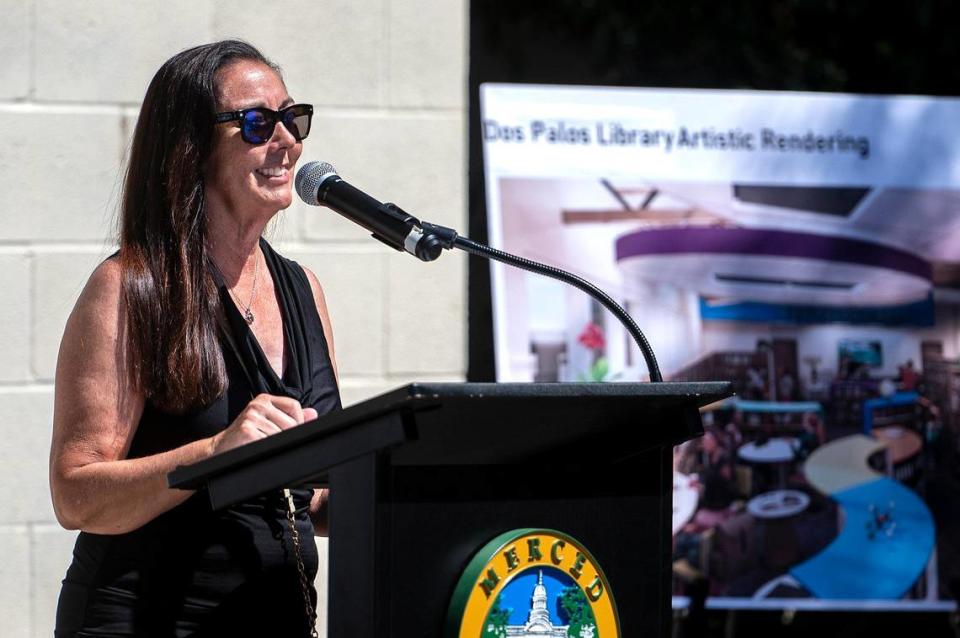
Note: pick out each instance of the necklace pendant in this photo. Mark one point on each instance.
(248, 316)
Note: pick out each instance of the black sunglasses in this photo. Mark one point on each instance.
(257, 124)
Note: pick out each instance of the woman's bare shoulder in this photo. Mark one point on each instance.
(315, 286)
(96, 320)
(105, 279)
(323, 312)
(100, 299)
(318, 296)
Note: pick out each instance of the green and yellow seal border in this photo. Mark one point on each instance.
(512, 553)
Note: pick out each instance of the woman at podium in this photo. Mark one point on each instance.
(194, 338)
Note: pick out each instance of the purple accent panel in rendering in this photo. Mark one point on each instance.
(752, 242)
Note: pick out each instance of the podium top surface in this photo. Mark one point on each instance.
(468, 422)
(418, 394)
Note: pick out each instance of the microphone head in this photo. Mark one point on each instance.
(309, 179)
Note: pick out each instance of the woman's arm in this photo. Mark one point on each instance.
(96, 411)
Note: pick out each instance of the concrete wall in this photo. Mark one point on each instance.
(388, 78)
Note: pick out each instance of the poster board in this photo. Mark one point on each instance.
(754, 236)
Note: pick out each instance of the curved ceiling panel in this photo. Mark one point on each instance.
(775, 266)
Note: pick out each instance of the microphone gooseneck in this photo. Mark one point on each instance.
(318, 184)
(481, 250)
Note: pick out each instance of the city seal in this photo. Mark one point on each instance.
(532, 583)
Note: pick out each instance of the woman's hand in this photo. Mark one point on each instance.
(266, 414)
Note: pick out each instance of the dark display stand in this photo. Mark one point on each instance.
(422, 477)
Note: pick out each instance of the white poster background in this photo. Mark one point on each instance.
(911, 141)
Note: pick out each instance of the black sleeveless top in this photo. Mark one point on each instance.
(192, 571)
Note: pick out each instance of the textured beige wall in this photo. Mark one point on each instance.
(388, 78)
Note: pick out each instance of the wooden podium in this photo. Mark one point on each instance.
(421, 477)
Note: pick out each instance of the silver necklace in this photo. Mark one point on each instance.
(247, 313)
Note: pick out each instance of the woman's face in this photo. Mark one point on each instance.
(244, 178)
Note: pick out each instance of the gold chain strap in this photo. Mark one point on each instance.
(304, 583)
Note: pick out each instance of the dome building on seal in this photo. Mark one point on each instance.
(538, 623)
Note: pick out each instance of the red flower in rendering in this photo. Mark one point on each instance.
(592, 337)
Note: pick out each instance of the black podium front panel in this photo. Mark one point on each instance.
(422, 477)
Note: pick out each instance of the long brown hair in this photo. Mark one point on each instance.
(172, 304)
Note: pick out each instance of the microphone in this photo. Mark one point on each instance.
(318, 184)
